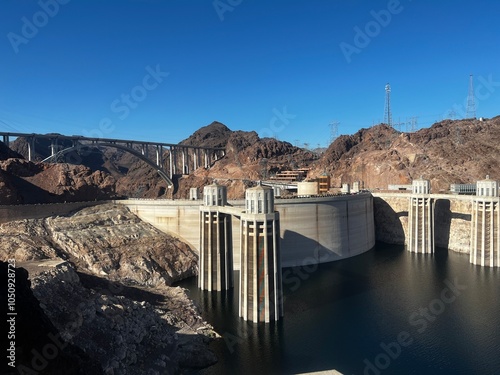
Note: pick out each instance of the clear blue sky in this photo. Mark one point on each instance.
(277, 67)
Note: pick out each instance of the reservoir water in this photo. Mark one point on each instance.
(387, 311)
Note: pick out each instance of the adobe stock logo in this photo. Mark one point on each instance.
(223, 6)
(30, 27)
(423, 318)
(363, 37)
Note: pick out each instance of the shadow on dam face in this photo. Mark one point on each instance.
(299, 250)
(442, 223)
(388, 226)
(443, 217)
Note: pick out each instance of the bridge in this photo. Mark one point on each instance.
(181, 158)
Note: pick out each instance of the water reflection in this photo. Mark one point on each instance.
(339, 315)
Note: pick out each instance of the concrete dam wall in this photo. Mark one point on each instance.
(452, 220)
(312, 230)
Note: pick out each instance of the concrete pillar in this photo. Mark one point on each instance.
(31, 148)
(6, 139)
(260, 273)
(195, 159)
(207, 164)
(171, 161)
(216, 252)
(174, 163)
(185, 168)
(159, 156)
(193, 194)
(53, 146)
(421, 219)
(485, 225)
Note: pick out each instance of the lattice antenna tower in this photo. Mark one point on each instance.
(471, 105)
(334, 130)
(387, 111)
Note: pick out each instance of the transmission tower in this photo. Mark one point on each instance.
(412, 124)
(471, 105)
(387, 112)
(334, 130)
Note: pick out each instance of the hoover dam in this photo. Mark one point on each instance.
(312, 230)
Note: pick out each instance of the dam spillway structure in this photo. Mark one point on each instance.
(260, 293)
(216, 241)
(485, 225)
(421, 218)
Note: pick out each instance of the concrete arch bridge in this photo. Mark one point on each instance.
(182, 159)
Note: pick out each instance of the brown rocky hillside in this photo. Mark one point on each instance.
(24, 182)
(248, 158)
(449, 152)
(461, 151)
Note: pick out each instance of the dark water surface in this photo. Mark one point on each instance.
(384, 312)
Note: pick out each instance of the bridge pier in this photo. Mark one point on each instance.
(485, 225)
(159, 156)
(260, 274)
(31, 148)
(421, 218)
(185, 161)
(171, 162)
(142, 151)
(54, 147)
(216, 252)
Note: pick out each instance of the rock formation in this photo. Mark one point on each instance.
(102, 277)
(461, 151)
(458, 151)
(27, 182)
(39, 347)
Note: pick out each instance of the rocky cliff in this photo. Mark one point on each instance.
(102, 277)
(39, 348)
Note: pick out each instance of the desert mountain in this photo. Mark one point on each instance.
(248, 157)
(25, 182)
(214, 135)
(460, 151)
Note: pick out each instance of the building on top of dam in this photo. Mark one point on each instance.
(487, 188)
